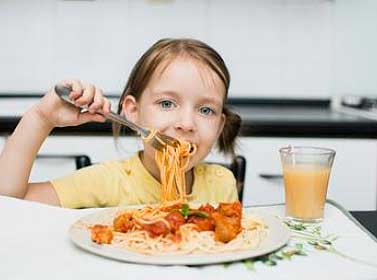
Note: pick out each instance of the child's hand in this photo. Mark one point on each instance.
(59, 113)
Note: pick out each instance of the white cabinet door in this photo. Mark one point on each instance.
(98, 148)
(352, 182)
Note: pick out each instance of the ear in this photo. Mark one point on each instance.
(222, 124)
(130, 108)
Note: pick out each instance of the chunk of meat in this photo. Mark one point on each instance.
(123, 222)
(233, 209)
(226, 228)
(208, 208)
(175, 220)
(203, 224)
(156, 229)
(101, 234)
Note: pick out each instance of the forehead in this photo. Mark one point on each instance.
(187, 74)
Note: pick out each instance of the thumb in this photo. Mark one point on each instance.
(88, 117)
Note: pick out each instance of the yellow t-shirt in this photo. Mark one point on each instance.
(127, 182)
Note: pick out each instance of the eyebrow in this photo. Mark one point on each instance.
(211, 100)
(165, 92)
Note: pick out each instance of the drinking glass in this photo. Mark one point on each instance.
(306, 172)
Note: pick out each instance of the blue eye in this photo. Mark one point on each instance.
(166, 104)
(206, 111)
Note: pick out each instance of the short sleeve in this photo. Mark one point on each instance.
(93, 186)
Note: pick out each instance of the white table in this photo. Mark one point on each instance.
(35, 245)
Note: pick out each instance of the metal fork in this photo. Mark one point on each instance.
(157, 140)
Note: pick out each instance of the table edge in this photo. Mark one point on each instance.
(352, 218)
(340, 208)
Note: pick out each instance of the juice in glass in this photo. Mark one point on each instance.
(306, 172)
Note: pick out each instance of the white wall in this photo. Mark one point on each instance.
(274, 48)
(355, 48)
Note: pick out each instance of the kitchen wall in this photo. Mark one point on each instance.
(274, 48)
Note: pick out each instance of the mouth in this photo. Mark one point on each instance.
(190, 147)
(192, 144)
(193, 149)
(183, 139)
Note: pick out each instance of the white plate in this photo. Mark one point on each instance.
(278, 236)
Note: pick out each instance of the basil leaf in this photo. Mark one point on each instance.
(185, 210)
(197, 213)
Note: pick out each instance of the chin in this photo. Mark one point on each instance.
(194, 161)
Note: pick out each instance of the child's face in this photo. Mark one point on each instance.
(185, 102)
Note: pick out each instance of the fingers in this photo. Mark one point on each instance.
(90, 97)
(100, 103)
(88, 117)
(97, 103)
(77, 88)
(87, 95)
(98, 109)
(106, 108)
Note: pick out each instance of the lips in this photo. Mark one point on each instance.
(182, 138)
(185, 140)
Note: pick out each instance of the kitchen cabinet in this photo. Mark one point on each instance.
(58, 153)
(56, 156)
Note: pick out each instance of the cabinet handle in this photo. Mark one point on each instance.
(269, 176)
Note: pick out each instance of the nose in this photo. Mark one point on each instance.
(185, 121)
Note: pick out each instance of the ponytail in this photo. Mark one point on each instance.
(227, 139)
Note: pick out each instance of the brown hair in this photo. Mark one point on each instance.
(166, 50)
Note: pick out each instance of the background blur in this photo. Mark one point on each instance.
(273, 48)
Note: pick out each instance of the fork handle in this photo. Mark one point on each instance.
(64, 91)
(122, 120)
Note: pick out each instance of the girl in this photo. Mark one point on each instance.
(179, 86)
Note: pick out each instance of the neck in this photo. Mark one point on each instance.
(151, 166)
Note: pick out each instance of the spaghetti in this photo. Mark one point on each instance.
(166, 230)
(173, 227)
(173, 162)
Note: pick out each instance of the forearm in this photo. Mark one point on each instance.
(19, 152)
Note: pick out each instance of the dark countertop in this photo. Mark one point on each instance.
(261, 118)
(303, 121)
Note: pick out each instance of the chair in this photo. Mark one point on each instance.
(237, 166)
(80, 160)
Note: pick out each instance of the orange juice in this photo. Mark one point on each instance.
(305, 190)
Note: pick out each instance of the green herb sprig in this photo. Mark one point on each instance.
(186, 212)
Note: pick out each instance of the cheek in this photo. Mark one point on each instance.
(209, 130)
(150, 118)
(208, 136)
